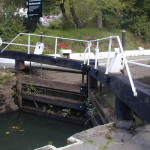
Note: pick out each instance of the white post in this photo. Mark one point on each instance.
(108, 59)
(1, 42)
(56, 42)
(127, 68)
(96, 56)
(85, 55)
(89, 50)
(29, 43)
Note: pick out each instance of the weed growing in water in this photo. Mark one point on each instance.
(30, 89)
(90, 108)
(66, 112)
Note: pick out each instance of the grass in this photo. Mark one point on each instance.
(132, 42)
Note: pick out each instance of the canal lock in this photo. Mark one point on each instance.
(56, 93)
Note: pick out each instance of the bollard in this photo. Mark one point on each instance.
(41, 37)
(123, 39)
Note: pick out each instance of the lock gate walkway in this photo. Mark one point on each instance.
(117, 83)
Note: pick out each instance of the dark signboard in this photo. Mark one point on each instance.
(34, 8)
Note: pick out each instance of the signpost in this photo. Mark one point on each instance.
(34, 8)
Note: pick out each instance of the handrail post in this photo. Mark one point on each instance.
(127, 68)
(56, 43)
(97, 51)
(85, 54)
(89, 50)
(108, 59)
(29, 38)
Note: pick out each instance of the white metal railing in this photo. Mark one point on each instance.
(39, 35)
(87, 51)
(139, 64)
(108, 58)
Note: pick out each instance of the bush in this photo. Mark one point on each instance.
(60, 24)
(141, 26)
(11, 25)
(57, 24)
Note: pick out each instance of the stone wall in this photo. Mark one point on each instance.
(7, 81)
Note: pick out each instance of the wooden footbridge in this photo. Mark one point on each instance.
(131, 95)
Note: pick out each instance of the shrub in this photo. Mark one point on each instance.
(141, 26)
(57, 24)
(11, 25)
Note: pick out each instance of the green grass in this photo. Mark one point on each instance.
(132, 42)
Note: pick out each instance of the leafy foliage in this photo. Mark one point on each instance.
(126, 14)
(136, 17)
(141, 26)
(10, 24)
(30, 89)
(66, 112)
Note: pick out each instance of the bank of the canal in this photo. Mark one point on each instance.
(106, 137)
(23, 131)
(7, 93)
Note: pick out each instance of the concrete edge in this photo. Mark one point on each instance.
(71, 141)
(74, 139)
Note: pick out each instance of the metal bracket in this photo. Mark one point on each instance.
(107, 77)
(84, 67)
(117, 63)
(83, 89)
(39, 48)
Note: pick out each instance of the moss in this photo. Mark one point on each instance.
(90, 141)
(6, 76)
(109, 140)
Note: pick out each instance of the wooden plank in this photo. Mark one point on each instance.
(61, 93)
(40, 82)
(106, 116)
(50, 60)
(58, 101)
(74, 120)
(53, 68)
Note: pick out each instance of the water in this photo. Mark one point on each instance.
(22, 131)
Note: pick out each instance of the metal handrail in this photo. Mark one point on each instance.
(29, 44)
(139, 64)
(87, 51)
(18, 44)
(10, 42)
(124, 58)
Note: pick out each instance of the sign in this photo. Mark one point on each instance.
(34, 8)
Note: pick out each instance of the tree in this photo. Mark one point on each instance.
(107, 12)
(100, 19)
(136, 17)
(63, 10)
(74, 15)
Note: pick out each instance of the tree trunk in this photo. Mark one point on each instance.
(73, 13)
(62, 7)
(99, 19)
